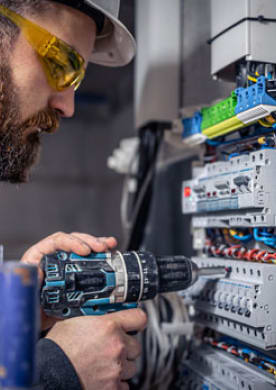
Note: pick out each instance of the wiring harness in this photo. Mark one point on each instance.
(230, 243)
(241, 351)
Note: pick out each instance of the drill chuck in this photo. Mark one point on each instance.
(177, 273)
(106, 282)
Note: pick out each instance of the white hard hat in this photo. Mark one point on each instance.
(115, 46)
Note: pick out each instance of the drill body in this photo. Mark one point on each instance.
(106, 282)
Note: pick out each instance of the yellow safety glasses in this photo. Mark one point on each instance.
(64, 67)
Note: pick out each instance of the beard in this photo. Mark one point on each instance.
(19, 142)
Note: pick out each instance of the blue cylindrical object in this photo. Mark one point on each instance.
(19, 320)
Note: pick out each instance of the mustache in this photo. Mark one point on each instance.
(47, 120)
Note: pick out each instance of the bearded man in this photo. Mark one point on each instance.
(45, 48)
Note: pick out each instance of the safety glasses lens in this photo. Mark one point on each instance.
(64, 67)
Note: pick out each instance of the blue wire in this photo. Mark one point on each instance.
(265, 237)
(233, 155)
(248, 237)
(213, 143)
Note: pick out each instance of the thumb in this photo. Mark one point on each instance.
(131, 320)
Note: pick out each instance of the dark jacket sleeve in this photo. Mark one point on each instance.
(54, 369)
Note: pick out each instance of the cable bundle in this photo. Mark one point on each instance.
(163, 342)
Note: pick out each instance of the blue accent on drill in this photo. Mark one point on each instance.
(92, 256)
(97, 307)
(110, 279)
(253, 96)
(96, 302)
(57, 283)
(52, 267)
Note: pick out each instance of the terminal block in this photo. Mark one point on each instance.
(237, 192)
(191, 133)
(221, 118)
(216, 370)
(254, 102)
(241, 305)
(244, 107)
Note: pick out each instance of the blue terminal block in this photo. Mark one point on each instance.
(19, 325)
(253, 96)
(192, 130)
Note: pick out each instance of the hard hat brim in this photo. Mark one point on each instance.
(115, 46)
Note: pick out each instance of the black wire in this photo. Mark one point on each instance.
(151, 137)
(260, 19)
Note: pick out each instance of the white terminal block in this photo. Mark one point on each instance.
(239, 192)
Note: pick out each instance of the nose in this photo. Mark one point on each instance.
(64, 102)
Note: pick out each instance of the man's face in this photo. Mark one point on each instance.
(28, 105)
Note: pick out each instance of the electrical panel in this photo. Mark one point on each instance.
(231, 198)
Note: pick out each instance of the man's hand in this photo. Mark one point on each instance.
(101, 351)
(79, 243)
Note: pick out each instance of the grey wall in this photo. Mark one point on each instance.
(198, 88)
(71, 189)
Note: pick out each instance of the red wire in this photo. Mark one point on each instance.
(239, 252)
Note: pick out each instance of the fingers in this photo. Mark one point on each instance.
(129, 370)
(133, 320)
(80, 243)
(133, 347)
(97, 244)
(57, 241)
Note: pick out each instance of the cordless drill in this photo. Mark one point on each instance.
(106, 282)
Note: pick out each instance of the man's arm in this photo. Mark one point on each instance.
(55, 371)
(90, 352)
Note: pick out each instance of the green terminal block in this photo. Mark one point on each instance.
(219, 112)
